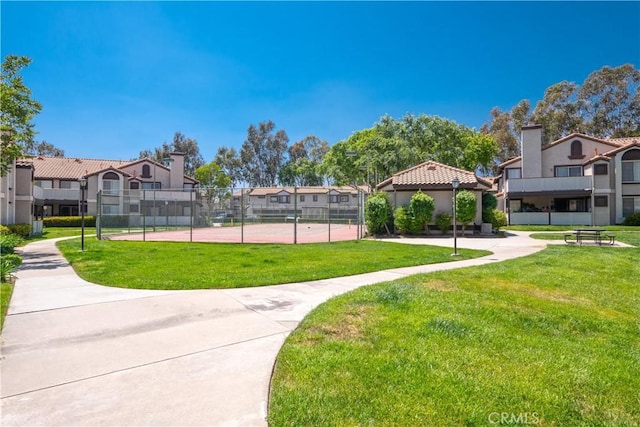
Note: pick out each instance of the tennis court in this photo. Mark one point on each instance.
(252, 233)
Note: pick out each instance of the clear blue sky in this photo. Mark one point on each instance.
(115, 78)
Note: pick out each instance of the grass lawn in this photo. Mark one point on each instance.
(55, 232)
(625, 234)
(548, 339)
(174, 265)
(6, 289)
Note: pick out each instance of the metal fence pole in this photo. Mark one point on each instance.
(191, 212)
(295, 214)
(144, 215)
(329, 216)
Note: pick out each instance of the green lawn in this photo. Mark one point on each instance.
(56, 232)
(6, 289)
(624, 234)
(548, 339)
(173, 265)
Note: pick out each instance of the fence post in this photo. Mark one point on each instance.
(98, 215)
(144, 215)
(191, 213)
(295, 214)
(329, 215)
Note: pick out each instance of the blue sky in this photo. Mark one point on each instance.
(115, 78)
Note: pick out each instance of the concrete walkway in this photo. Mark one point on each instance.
(76, 353)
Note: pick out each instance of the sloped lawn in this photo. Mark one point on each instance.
(549, 339)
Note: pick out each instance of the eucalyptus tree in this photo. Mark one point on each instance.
(263, 154)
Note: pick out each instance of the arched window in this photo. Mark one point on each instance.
(146, 171)
(110, 182)
(631, 166)
(576, 150)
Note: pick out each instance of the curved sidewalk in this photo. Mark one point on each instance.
(76, 353)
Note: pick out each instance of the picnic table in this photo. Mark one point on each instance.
(582, 235)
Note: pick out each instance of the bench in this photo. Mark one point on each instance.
(576, 237)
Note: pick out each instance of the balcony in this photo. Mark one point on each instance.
(60, 194)
(544, 185)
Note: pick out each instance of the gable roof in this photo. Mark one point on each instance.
(70, 168)
(269, 191)
(612, 143)
(432, 174)
(625, 140)
(635, 143)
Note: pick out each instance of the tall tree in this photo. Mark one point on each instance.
(263, 154)
(559, 112)
(46, 149)
(188, 146)
(303, 166)
(17, 110)
(371, 155)
(229, 160)
(215, 184)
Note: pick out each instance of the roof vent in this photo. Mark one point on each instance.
(431, 168)
(78, 161)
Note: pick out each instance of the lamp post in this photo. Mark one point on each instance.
(455, 184)
(83, 186)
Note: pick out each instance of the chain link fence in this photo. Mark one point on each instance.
(239, 215)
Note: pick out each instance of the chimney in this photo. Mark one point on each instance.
(531, 149)
(177, 171)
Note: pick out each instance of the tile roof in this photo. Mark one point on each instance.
(433, 174)
(70, 168)
(266, 191)
(626, 140)
(611, 142)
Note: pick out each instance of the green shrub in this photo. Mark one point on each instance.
(8, 242)
(633, 219)
(378, 213)
(405, 221)
(8, 263)
(22, 230)
(69, 221)
(421, 209)
(4, 230)
(443, 221)
(489, 203)
(498, 219)
(465, 207)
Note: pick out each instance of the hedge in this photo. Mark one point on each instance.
(69, 221)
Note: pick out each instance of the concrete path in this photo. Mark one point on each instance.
(76, 353)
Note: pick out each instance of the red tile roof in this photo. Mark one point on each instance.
(70, 168)
(433, 174)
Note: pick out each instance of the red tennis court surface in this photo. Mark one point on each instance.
(253, 233)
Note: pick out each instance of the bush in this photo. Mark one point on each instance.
(8, 242)
(489, 203)
(443, 221)
(405, 221)
(4, 230)
(421, 209)
(378, 213)
(633, 219)
(8, 263)
(22, 230)
(498, 218)
(69, 221)
(466, 207)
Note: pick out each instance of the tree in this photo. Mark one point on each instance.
(214, 183)
(422, 206)
(606, 105)
(17, 110)
(371, 155)
(46, 149)
(465, 207)
(229, 160)
(262, 154)
(303, 166)
(188, 146)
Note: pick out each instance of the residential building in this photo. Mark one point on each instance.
(114, 187)
(434, 179)
(316, 203)
(20, 202)
(576, 180)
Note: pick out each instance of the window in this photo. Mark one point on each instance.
(273, 199)
(302, 198)
(333, 199)
(261, 197)
(280, 199)
(566, 171)
(631, 166)
(135, 185)
(576, 150)
(344, 199)
(71, 185)
(45, 184)
(315, 197)
(146, 171)
(151, 185)
(601, 201)
(134, 208)
(515, 173)
(601, 169)
(630, 205)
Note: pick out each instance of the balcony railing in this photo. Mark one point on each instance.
(531, 185)
(60, 194)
